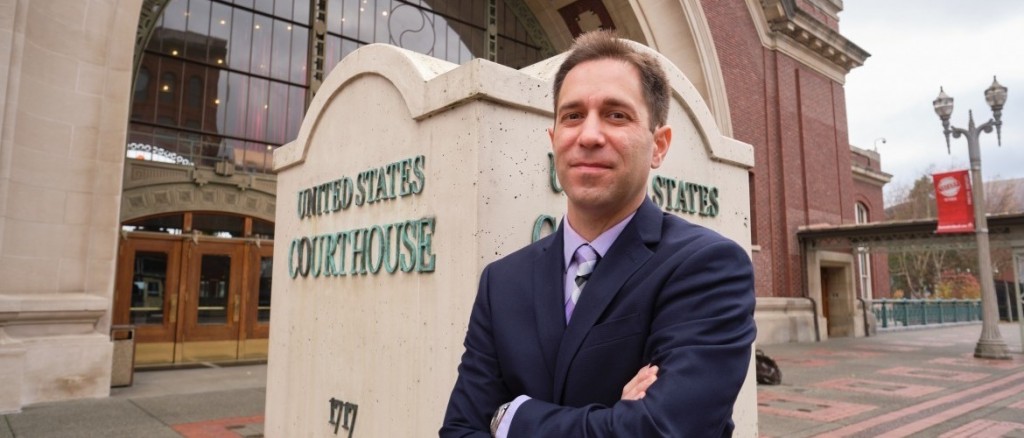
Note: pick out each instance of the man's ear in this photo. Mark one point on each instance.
(662, 141)
(551, 135)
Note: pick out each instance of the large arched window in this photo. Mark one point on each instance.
(245, 65)
(863, 256)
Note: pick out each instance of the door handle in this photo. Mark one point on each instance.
(237, 305)
(173, 317)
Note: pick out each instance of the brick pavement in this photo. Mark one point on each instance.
(921, 383)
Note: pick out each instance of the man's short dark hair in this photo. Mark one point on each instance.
(602, 44)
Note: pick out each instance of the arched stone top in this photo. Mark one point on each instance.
(174, 198)
(677, 29)
(428, 85)
(153, 188)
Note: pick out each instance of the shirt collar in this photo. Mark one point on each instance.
(572, 240)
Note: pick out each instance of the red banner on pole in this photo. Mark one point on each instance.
(953, 196)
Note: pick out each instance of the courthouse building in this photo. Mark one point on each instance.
(137, 140)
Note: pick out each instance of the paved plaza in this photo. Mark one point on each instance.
(922, 383)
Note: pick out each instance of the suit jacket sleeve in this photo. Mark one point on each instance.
(479, 389)
(701, 332)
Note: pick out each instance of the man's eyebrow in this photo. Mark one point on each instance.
(607, 102)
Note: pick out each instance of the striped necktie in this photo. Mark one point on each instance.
(586, 259)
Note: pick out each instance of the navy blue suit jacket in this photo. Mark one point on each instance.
(667, 292)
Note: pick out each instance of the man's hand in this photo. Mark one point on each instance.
(636, 389)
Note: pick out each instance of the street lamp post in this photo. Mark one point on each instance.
(991, 344)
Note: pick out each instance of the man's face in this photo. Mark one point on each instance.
(604, 148)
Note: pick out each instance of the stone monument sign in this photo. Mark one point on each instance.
(408, 176)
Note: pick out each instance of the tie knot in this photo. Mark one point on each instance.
(586, 257)
(585, 253)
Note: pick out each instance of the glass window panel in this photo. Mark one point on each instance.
(281, 50)
(365, 21)
(296, 109)
(454, 48)
(348, 46)
(166, 139)
(214, 284)
(262, 33)
(283, 9)
(381, 12)
(301, 14)
(350, 18)
(218, 101)
(140, 140)
(333, 55)
(241, 34)
(210, 90)
(194, 94)
(237, 102)
(440, 38)
(198, 29)
(188, 144)
(300, 52)
(142, 102)
(218, 225)
(411, 28)
(220, 33)
(256, 123)
(248, 3)
(264, 6)
(263, 306)
(262, 228)
(168, 87)
(277, 114)
(265, 162)
(148, 285)
(334, 13)
(175, 14)
(229, 149)
(170, 224)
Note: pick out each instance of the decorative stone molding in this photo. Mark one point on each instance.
(870, 176)
(63, 313)
(785, 26)
(152, 188)
(865, 173)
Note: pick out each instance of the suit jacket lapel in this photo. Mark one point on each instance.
(626, 255)
(547, 299)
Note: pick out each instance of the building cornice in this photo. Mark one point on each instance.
(870, 176)
(785, 26)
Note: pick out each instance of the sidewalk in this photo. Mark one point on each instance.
(923, 383)
(197, 402)
(914, 383)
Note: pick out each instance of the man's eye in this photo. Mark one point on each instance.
(572, 116)
(617, 116)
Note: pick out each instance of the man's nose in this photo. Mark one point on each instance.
(591, 131)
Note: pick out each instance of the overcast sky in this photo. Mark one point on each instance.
(917, 46)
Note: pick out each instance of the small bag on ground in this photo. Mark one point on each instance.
(768, 372)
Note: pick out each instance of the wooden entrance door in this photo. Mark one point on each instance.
(147, 295)
(194, 300)
(211, 301)
(256, 301)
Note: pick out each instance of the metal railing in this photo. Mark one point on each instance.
(906, 313)
(199, 151)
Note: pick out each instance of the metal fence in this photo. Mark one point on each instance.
(906, 313)
(200, 151)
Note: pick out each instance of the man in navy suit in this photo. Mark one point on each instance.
(627, 321)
